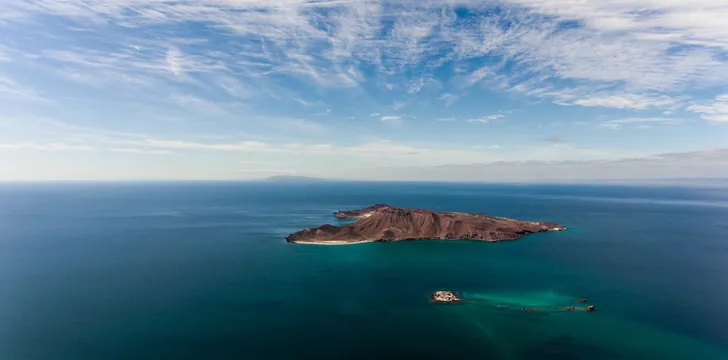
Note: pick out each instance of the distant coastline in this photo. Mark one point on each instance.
(296, 179)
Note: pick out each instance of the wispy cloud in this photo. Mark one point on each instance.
(479, 120)
(48, 126)
(174, 60)
(11, 90)
(398, 105)
(271, 171)
(233, 87)
(627, 101)
(303, 102)
(197, 104)
(45, 147)
(486, 119)
(635, 47)
(610, 126)
(141, 151)
(176, 144)
(322, 113)
(390, 118)
(5, 53)
(256, 162)
(643, 123)
(299, 125)
(716, 110)
(555, 139)
(449, 99)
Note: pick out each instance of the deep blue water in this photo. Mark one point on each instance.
(201, 270)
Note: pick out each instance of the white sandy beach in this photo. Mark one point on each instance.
(332, 242)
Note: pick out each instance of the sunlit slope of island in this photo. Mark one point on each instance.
(383, 223)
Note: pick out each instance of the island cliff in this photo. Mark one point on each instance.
(387, 223)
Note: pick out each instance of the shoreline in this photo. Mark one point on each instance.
(333, 242)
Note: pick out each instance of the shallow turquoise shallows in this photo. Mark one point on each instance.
(202, 271)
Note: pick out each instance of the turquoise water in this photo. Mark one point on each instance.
(201, 270)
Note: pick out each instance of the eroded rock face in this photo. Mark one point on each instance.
(443, 296)
(387, 223)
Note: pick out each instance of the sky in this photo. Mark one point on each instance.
(445, 90)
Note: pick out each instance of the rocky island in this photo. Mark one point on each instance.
(383, 223)
(442, 296)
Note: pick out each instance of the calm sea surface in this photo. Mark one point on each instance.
(201, 271)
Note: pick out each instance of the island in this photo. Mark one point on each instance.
(443, 296)
(384, 223)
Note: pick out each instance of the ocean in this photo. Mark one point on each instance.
(201, 270)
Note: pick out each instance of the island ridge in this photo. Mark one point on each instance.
(384, 223)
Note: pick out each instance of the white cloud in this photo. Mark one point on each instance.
(5, 53)
(307, 148)
(174, 60)
(127, 68)
(45, 147)
(609, 48)
(639, 123)
(390, 118)
(398, 105)
(611, 126)
(242, 146)
(267, 171)
(141, 151)
(626, 101)
(375, 114)
(197, 104)
(300, 126)
(646, 120)
(256, 162)
(446, 119)
(176, 144)
(48, 126)
(716, 111)
(302, 102)
(449, 99)
(11, 90)
(233, 86)
(322, 113)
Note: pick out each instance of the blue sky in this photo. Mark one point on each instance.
(243, 89)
